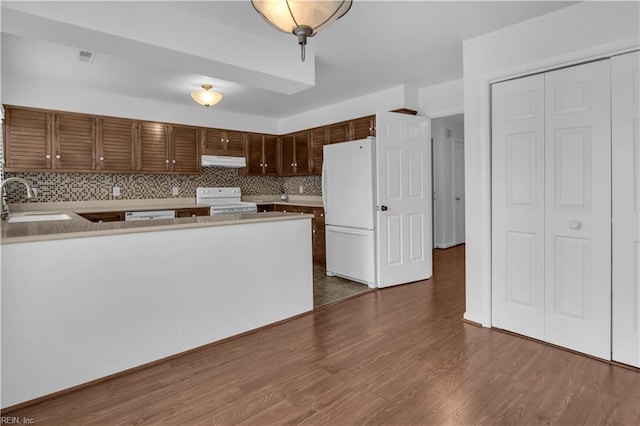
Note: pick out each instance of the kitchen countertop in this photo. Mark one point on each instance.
(294, 200)
(79, 227)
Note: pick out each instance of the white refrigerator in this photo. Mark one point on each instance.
(349, 198)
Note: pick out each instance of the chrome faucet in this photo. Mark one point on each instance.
(5, 205)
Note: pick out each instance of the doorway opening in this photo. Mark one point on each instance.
(447, 134)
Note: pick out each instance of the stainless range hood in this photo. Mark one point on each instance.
(223, 161)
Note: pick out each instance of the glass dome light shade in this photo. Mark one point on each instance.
(287, 15)
(206, 97)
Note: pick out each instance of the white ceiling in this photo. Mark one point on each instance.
(376, 45)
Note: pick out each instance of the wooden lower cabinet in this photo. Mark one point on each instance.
(193, 212)
(103, 216)
(263, 208)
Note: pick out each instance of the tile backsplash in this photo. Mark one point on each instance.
(56, 187)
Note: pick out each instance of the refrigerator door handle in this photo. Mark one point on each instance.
(324, 187)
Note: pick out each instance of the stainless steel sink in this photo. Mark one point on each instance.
(38, 217)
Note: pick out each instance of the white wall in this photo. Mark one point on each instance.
(443, 177)
(384, 100)
(19, 90)
(585, 30)
(442, 99)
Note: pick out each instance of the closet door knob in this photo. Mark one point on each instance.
(574, 224)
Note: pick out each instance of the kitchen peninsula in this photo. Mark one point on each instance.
(82, 300)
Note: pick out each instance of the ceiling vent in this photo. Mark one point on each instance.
(86, 56)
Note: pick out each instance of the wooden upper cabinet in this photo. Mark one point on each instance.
(363, 127)
(270, 154)
(27, 139)
(287, 143)
(234, 143)
(262, 154)
(255, 162)
(338, 132)
(74, 142)
(184, 150)
(302, 150)
(153, 143)
(115, 147)
(318, 141)
(223, 142)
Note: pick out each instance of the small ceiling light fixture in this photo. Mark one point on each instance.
(303, 18)
(206, 97)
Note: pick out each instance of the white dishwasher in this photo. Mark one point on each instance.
(149, 215)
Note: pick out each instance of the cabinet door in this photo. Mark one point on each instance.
(233, 143)
(153, 139)
(75, 142)
(27, 140)
(185, 156)
(213, 142)
(270, 154)
(318, 140)
(338, 132)
(363, 127)
(104, 216)
(116, 138)
(287, 143)
(193, 212)
(254, 154)
(301, 153)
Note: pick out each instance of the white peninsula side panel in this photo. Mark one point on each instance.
(76, 310)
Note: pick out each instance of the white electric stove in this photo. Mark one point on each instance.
(224, 200)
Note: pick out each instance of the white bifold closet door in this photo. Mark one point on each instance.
(625, 97)
(518, 206)
(551, 207)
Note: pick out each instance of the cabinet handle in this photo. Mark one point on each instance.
(384, 208)
(291, 164)
(574, 224)
(265, 165)
(166, 161)
(101, 158)
(193, 215)
(47, 156)
(313, 232)
(174, 161)
(321, 214)
(58, 156)
(261, 165)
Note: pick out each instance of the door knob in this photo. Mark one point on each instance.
(384, 208)
(574, 224)
(457, 198)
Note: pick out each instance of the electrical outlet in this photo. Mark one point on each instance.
(301, 189)
(175, 191)
(116, 191)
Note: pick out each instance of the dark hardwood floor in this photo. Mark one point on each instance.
(397, 356)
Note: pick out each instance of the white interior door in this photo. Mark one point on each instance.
(458, 191)
(625, 100)
(403, 158)
(578, 208)
(517, 194)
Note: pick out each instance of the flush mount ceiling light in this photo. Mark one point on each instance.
(303, 18)
(206, 97)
